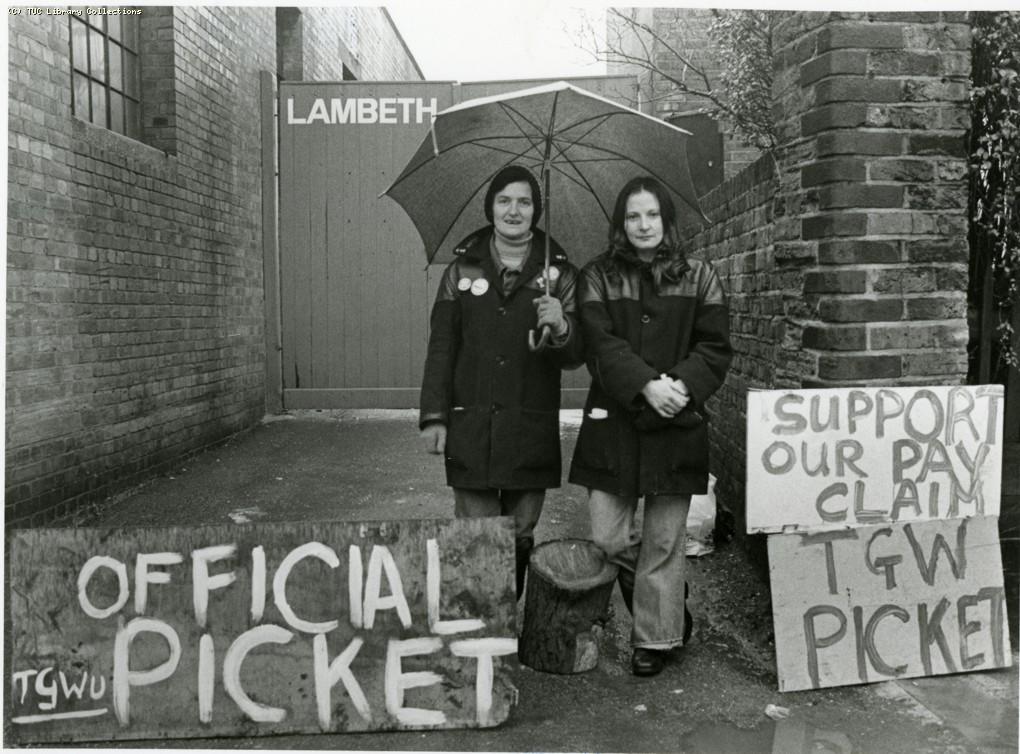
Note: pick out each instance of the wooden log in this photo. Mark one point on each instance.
(569, 585)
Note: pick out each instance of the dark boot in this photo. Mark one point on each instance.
(522, 552)
(688, 619)
(625, 579)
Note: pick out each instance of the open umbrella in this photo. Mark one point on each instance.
(582, 146)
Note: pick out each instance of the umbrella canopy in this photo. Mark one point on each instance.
(584, 145)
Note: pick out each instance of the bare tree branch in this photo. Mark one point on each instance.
(741, 94)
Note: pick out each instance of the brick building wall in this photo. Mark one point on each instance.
(854, 272)
(362, 38)
(740, 246)
(135, 324)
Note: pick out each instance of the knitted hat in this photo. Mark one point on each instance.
(514, 174)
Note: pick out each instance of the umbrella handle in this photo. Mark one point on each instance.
(543, 339)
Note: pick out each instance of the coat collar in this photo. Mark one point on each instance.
(476, 248)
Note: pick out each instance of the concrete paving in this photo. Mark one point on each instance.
(719, 697)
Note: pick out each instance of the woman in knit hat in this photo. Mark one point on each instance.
(489, 403)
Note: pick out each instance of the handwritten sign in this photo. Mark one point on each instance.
(259, 629)
(890, 601)
(831, 459)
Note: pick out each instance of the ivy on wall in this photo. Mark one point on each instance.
(995, 187)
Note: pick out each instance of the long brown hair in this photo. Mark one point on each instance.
(670, 261)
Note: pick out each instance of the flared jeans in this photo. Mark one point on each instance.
(651, 561)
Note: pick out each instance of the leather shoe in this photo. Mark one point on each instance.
(648, 661)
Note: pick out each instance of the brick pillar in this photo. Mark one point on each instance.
(871, 216)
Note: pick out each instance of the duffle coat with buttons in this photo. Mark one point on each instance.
(635, 331)
(499, 400)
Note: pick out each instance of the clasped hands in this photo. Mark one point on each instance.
(666, 396)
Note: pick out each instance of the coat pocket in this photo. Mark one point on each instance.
(689, 446)
(598, 442)
(467, 437)
(538, 446)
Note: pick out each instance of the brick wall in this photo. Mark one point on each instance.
(740, 246)
(135, 324)
(848, 265)
(362, 37)
(874, 193)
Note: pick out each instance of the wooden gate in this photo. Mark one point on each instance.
(354, 290)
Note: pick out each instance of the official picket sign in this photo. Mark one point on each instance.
(259, 629)
(831, 459)
(900, 600)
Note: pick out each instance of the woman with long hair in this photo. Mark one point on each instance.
(656, 335)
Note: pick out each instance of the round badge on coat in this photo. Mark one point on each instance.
(480, 286)
(463, 284)
(554, 273)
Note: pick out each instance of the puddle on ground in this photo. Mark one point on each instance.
(780, 737)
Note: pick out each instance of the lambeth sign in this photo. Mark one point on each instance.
(882, 509)
(363, 111)
(260, 629)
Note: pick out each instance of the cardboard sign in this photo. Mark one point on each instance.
(832, 459)
(895, 601)
(259, 629)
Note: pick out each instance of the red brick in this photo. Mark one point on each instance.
(859, 367)
(858, 252)
(834, 224)
(830, 171)
(952, 306)
(862, 36)
(950, 365)
(907, 117)
(916, 336)
(841, 281)
(860, 309)
(928, 196)
(900, 63)
(903, 17)
(843, 115)
(904, 280)
(951, 145)
(858, 142)
(936, 250)
(857, 89)
(906, 170)
(840, 196)
(836, 337)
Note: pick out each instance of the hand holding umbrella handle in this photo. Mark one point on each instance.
(543, 339)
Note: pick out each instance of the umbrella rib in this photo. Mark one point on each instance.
(602, 118)
(511, 112)
(571, 142)
(580, 180)
(651, 172)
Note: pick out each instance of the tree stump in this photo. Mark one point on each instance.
(569, 585)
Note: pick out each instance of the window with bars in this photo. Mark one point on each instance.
(106, 87)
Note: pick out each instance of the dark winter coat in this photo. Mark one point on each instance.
(499, 400)
(634, 333)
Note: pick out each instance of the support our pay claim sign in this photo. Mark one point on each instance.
(882, 508)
